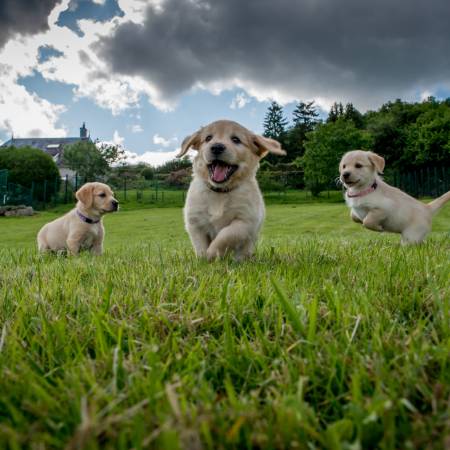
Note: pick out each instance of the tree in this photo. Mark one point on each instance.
(90, 160)
(428, 139)
(351, 113)
(390, 127)
(274, 122)
(305, 116)
(324, 149)
(148, 173)
(388, 136)
(29, 167)
(174, 164)
(111, 153)
(336, 112)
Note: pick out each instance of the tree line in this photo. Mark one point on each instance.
(408, 135)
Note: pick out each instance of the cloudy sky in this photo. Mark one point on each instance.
(145, 73)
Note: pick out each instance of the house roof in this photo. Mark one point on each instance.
(44, 144)
(51, 146)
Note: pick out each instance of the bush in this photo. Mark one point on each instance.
(270, 182)
(174, 165)
(179, 178)
(29, 167)
(148, 173)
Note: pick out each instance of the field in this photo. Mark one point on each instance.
(331, 337)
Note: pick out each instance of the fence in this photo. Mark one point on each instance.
(3, 180)
(428, 182)
(275, 185)
(13, 194)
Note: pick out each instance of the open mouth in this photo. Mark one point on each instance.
(220, 171)
(351, 183)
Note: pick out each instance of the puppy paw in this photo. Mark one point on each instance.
(211, 255)
(372, 226)
(240, 257)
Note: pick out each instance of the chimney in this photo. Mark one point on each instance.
(83, 132)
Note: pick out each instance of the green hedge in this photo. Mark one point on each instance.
(30, 167)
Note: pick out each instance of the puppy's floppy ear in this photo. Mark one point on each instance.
(377, 161)
(190, 141)
(266, 145)
(86, 194)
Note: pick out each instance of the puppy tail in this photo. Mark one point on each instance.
(438, 203)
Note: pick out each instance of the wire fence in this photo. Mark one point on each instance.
(276, 185)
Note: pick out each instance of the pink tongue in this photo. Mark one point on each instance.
(219, 173)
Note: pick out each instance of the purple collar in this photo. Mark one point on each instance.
(86, 219)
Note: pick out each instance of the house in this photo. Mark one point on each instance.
(52, 146)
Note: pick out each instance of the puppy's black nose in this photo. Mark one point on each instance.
(217, 149)
(346, 175)
(115, 204)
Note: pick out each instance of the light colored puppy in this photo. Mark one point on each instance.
(82, 227)
(224, 207)
(381, 207)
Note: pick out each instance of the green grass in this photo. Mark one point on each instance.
(331, 337)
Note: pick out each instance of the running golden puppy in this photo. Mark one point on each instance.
(224, 207)
(81, 228)
(381, 207)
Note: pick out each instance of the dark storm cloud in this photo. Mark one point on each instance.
(23, 17)
(364, 51)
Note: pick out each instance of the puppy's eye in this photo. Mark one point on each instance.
(358, 166)
(208, 138)
(235, 139)
(343, 166)
(102, 195)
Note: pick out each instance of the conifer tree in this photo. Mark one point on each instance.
(305, 116)
(274, 122)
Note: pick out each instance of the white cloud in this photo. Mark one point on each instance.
(154, 158)
(117, 139)
(23, 113)
(425, 94)
(136, 128)
(27, 115)
(159, 140)
(239, 101)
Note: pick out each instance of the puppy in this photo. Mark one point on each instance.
(224, 207)
(381, 207)
(82, 227)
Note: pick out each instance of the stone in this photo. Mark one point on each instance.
(21, 210)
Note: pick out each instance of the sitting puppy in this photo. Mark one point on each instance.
(224, 207)
(82, 227)
(381, 207)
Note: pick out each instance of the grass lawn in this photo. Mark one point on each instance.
(331, 337)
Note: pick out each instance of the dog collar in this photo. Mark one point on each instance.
(364, 192)
(218, 189)
(86, 219)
